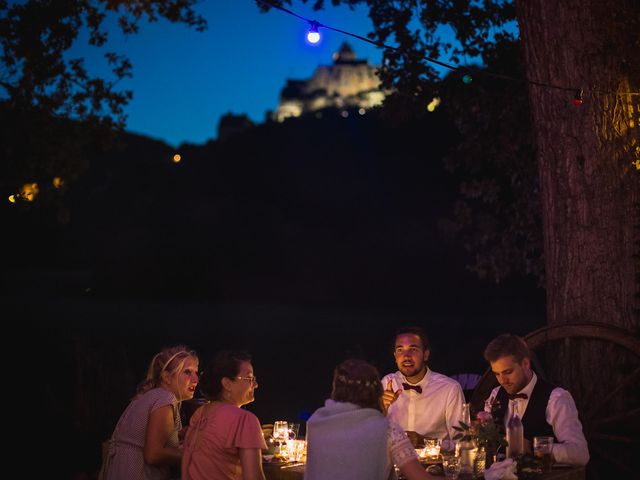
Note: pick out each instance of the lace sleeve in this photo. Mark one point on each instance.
(399, 445)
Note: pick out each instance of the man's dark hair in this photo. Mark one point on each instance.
(505, 345)
(419, 331)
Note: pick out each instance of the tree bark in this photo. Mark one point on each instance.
(590, 192)
(590, 187)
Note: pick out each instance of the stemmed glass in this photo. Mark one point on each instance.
(280, 433)
(291, 438)
(294, 428)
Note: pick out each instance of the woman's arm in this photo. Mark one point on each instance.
(403, 454)
(251, 461)
(159, 429)
(412, 470)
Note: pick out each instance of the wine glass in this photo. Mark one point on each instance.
(294, 428)
(292, 438)
(280, 433)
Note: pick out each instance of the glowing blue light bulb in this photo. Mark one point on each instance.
(313, 36)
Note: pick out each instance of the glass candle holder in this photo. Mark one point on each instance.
(432, 448)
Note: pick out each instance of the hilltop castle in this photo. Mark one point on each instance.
(348, 83)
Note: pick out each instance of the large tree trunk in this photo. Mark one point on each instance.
(590, 186)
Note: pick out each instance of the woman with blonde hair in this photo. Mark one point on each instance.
(351, 439)
(145, 444)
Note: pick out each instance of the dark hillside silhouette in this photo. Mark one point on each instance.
(304, 242)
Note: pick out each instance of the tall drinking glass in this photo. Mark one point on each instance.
(280, 433)
(543, 451)
(451, 466)
(294, 428)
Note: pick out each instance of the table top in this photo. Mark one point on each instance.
(275, 472)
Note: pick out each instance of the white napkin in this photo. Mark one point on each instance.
(505, 470)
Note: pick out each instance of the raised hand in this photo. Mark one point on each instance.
(389, 396)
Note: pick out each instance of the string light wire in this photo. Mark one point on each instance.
(576, 90)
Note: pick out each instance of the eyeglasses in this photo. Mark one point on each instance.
(253, 380)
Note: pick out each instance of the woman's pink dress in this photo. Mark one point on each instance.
(216, 432)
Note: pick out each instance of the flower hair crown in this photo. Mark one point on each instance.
(350, 381)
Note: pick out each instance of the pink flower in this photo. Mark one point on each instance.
(484, 417)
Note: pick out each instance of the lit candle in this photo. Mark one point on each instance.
(432, 447)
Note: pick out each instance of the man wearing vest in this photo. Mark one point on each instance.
(544, 409)
(424, 403)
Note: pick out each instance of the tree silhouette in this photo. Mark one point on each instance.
(56, 110)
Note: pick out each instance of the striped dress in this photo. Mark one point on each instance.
(124, 459)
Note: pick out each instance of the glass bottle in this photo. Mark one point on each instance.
(480, 463)
(515, 433)
(467, 449)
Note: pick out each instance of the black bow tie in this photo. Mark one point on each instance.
(518, 395)
(417, 388)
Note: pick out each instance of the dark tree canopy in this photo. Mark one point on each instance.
(56, 107)
(497, 217)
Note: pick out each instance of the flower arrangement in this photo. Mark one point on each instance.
(484, 431)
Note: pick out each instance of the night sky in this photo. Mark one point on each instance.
(184, 80)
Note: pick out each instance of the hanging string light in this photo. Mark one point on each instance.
(313, 35)
(578, 98)
(467, 78)
(433, 104)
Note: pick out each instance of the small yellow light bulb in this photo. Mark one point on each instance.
(29, 191)
(433, 104)
(177, 158)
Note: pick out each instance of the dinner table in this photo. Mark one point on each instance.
(295, 471)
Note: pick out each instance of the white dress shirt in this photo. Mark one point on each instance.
(432, 413)
(562, 415)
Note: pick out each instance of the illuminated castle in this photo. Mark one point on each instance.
(348, 83)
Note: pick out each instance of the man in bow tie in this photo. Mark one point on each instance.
(425, 403)
(545, 410)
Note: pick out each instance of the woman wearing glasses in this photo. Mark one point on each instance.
(225, 442)
(351, 439)
(145, 444)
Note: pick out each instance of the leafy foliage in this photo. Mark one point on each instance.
(498, 214)
(484, 431)
(46, 93)
(35, 35)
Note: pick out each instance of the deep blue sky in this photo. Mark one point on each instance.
(183, 80)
